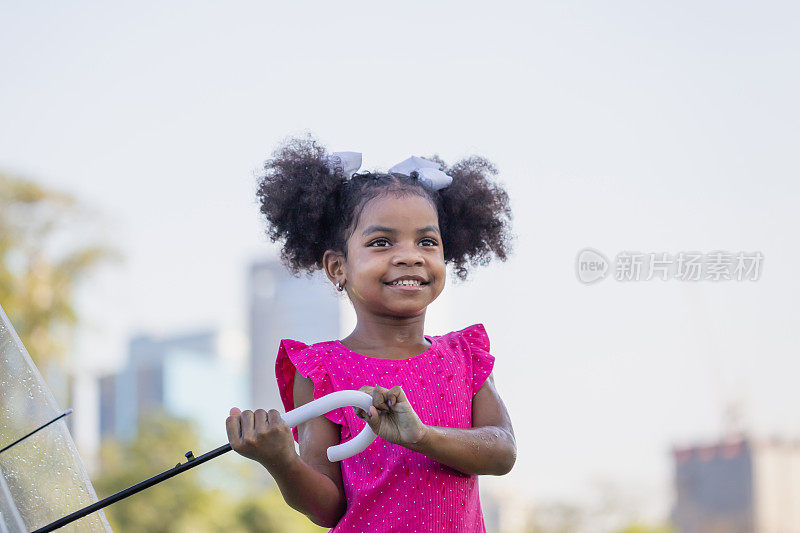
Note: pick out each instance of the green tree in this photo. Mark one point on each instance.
(191, 501)
(37, 280)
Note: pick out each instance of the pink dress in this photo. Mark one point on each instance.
(390, 488)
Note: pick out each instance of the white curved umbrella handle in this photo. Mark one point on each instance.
(329, 402)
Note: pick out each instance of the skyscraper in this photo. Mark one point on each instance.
(283, 306)
(738, 486)
(196, 376)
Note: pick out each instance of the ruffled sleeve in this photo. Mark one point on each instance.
(482, 360)
(311, 364)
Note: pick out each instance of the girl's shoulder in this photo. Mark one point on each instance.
(470, 339)
(472, 346)
(307, 356)
(309, 360)
(297, 350)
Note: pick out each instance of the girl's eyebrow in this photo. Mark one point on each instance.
(373, 229)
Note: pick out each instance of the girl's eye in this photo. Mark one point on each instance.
(376, 241)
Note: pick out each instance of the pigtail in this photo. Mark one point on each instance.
(300, 199)
(474, 215)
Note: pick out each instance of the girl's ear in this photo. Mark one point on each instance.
(334, 264)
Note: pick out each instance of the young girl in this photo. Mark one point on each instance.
(385, 240)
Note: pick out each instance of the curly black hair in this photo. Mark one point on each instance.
(314, 209)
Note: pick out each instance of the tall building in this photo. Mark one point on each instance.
(197, 376)
(740, 485)
(283, 306)
(107, 386)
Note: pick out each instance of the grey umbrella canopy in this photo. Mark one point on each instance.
(41, 477)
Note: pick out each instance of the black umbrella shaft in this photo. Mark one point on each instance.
(130, 491)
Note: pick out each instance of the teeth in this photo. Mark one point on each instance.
(407, 282)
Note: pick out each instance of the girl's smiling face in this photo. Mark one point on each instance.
(397, 237)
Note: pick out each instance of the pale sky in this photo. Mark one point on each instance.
(645, 126)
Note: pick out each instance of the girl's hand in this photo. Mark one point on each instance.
(393, 419)
(261, 436)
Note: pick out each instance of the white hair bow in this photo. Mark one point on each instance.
(427, 171)
(346, 162)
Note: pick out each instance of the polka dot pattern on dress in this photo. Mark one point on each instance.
(390, 488)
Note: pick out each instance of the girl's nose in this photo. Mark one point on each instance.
(408, 255)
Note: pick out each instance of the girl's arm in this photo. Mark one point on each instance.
(489, 447)
(310, 483)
